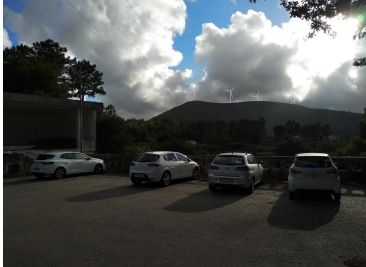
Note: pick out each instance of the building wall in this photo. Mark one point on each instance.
(39, 122)
(27, 126)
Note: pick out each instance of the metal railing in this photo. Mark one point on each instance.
(276, 167)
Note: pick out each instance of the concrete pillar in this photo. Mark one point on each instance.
(93, 129)
(77, 133)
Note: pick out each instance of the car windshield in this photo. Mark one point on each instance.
(147, 158)
(229, 160)
(45, 156)
(313, 162)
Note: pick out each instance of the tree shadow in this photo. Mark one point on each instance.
(308, 212)
(27, 180)
(205, 200)
(47, 178)
(119, 191)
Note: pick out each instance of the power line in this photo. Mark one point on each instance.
(118, 52)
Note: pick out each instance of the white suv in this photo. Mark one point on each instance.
(240, 169)
(314, 171)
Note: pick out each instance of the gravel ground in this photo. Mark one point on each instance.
(105, 221)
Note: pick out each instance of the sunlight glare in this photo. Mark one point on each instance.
(322, 55)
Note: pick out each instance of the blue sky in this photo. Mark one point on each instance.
(148, 67)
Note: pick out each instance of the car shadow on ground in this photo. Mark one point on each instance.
(119, 191)
(309, 211)
(205, 200)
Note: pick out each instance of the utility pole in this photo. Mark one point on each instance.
(81, 131)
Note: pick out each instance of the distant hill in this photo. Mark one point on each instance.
(341, 123)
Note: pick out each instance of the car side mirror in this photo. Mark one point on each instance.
(188, 160)
(88, 158)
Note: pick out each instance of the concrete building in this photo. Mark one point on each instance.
(39, 123)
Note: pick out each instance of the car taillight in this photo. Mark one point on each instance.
(332, 171)
(153, 165)
(132, 164)
(48, 163)
(213, 167)
(294, 171)
(242, 168)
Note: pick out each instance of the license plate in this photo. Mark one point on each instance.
(139, 175)
(35, 169)
(226, 181)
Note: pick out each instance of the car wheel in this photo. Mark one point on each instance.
(135, 181)
(251, 187)
(39, 176)
(337, 197)
(196, 174)
(98, 169)
(291, 195)
(165, 179)
(212, 187)
(60, 173)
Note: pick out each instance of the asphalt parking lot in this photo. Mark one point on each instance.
(105, 221)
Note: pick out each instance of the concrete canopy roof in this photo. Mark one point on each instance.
(17, 98)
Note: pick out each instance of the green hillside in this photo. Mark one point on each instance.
(341, 123)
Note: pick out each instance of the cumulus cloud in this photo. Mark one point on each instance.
(6, 40)
(253, 55)
(130, 41)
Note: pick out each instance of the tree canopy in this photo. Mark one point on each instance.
(84, 79)
(45, 69)
(319, 11)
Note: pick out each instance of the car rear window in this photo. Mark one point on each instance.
(313, 162)
(45, 156)
(147, 158)
(229, 160)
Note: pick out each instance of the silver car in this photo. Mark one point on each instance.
(60, 164)
(162, 167)
(239, 169)
(314, 171)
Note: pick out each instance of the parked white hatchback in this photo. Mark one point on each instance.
(60, 164)
(314, 171)
(162, 167)
(240, 169)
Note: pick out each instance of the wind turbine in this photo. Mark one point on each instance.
(193, 94)
(230, 93)
(256, 96)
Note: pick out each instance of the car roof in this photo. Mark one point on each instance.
(58, 152)
(233, 154)
(312, 155)
(160, 152)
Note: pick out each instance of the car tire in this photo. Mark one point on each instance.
(39, 176)
(291, 195)
(212, 187)
(165, 179)
(59, 173)
(337, 197)
(135, 181)
(98, 169)
(250, 189)
(196, 173)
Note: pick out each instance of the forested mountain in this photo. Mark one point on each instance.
(341, 123)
